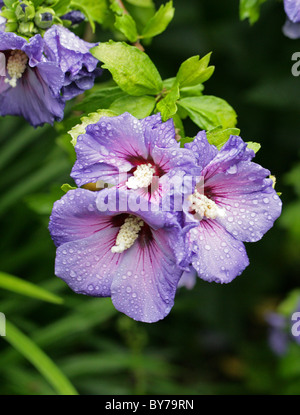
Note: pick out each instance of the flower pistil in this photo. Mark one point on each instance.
(16, 65)
(128, 234)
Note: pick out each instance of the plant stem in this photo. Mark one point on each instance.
(137, 43)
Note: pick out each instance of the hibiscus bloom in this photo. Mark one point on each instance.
(72, 55)
(133, 256)
(233, 202)
(34, 82)
(29, 84)
(131, 153)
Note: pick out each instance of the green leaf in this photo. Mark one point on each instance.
(250, 9)
(17, 285)
(100, 99)
(194, 71)
(61, 7)
(95, 11)
(208, 111)
(131, 68)
(39, 359)
(167, 106)
(85, 121)
(159, 22)
(9, 3)
(139, 107)
(218, 136)
(126, 25)
(141, 3)
(66, 187)
(253, 146)
(192, 91)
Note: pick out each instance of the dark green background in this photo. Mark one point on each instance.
(215, 340)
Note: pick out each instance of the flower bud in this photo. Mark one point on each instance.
(26, 28)
(25, 11)
(44, 18)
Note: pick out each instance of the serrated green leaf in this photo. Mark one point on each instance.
(85, 121)
(95, 11)
(192, 91)
(131, 68)
(250, 9)
(167, 106)
(194, 71)
(126, 25)
(208, 111)
(139, 107)
(218, 136)
(159, 22)
(39, 359)
(17, 285)
(253, 146)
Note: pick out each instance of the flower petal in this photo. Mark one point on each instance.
(250, 202)
(146, 282)
(292, 9)
(204, 151)
(113, 141)
(216, 255)
(75, 216)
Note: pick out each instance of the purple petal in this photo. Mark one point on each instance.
(292, 9)
(87, 265)
(33, 99)
(216, 255)
(291, 30)
(250, 202)
(145, 285)
(112, 141)
(75, 216)
(204, 151)
(188, 279)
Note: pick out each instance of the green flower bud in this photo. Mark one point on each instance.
(44, 18)
(25, 11)
(26, 28)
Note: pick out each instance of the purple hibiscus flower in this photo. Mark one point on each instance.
(233, 202)
(133, 256)
(35, 83)
(29, 84)
(72, 55)
(131, 153)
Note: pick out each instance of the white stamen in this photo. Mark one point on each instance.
(142, 177)
(128, 234)
(205, 206)
(16, 65)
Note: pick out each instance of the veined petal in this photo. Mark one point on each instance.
(248, 198)
(203, 151)
(146, 281)
(292, 9)
(113, 141)
(216, 255)
(75, 216)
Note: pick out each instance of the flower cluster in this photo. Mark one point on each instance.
(38, 76)
(169, 214)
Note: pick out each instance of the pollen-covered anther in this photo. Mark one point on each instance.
(142, 177)
(204, 206)
(128, 234)
(16, 65)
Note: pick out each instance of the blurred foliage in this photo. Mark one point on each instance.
(215, 340)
